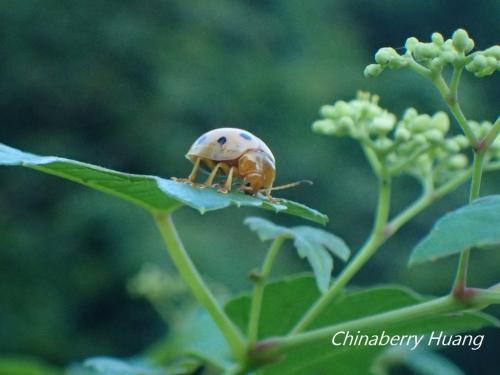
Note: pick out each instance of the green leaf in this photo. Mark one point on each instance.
(311, 243)
(21, 365)
(113, 366)
(151, 192)
(474, 225)
(287, 300)
(421, 362)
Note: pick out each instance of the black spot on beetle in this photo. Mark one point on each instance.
(246, 136)
(200, 140)
(222, 140)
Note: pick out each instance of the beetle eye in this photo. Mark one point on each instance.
(248, 184)
(222, 140)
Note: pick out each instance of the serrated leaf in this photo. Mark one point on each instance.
(286, 301)
(474, 225)
(151, 192)
(311, 243)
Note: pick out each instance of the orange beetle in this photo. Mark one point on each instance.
(238, 154)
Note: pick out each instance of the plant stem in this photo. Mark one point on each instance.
(258, 292)
(201, 292)
(452, 101)
(479, 298)
(425, 200)
(492, 135)
(377, 237)
(463, 263)
(369, 323)
(374, 242)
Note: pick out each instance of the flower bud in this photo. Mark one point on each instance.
(449, 57)
(343, 109)
(461, 40)
(398, 62)
(345, 125)
(373, 70)
(437, 39)
(402, 134)
(470, 45)
(434, 135)
(425, 51)
(411, 43)
(420, 123)
(384, 55)
(420, 139)
(493, 51)
(328, 111)
(477, 64)
(441, 122)
(451, 146)
(324, 126)
(458, 161)
(410, 114)
(461, 140)
(383, 124)
(383, 144)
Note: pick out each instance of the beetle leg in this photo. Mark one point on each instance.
(194, 172)
(210, 179)
(228, 183)
(192, 175)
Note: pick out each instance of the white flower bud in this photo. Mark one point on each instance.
(328, 111)
(452, 146)
(458, 161)
(402, 134)
(441, 122)
(324, 126)
(493, 51)
(410, 114)
(383, 124)
(383, 144)
(462, 141)
(425, 51)
(461, 40)
(420, 123)
(437, 39)
(420, 139)
(385, 55)
(373, 70)
(343, 109)
(411, 43)
(434, 135)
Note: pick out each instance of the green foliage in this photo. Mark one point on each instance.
(199, 82)
(421, 362)
(474, 225)
(17, 365)
(151, 192)
(287, 300)
(113, 366)
(311, 243)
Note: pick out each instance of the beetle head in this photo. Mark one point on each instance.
(257, 169)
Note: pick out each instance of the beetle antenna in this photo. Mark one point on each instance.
(290, 185)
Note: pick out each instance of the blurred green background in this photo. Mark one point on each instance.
(129, 85)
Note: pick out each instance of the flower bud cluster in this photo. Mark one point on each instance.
(437, 53)
(417, 144)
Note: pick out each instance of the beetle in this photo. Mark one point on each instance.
(238, 154)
